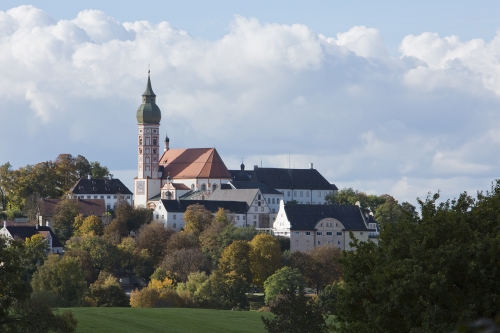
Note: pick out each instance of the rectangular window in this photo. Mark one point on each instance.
(175, 217)
(258, 204)
(95, 196)
(262, 209)
(174, 225)
(109, 197)
(163, 217)
(102, 196)
(88, 196)
(274, 210)
(294, 193)
(338, 242)
(308, 233)
(307, 193)
(301, 193)
(244, 217)
(273, 200)
(319, 233)
(319, 243)
(108, 207)
(157, 217)
(319, 194)
(256, 208)
(238, 217)
(255, 217)
(269, 200)
(328, 233)
(128, 196)
(258, 197)
(339, 233)
(114, 197)
(296, 233)
(287, 193)
(74, 197)
(361, 233)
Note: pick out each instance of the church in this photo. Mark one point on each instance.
(174, 172)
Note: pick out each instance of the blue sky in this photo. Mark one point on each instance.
(384, 96)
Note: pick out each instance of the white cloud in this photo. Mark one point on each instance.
(282, 94)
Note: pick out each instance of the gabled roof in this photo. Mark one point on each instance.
(180, 206)
(23, 232)
(99, 186)
(193, 163)
(264, 189)
(305, 217)
(246, 195)
(86, 207)
(285, 178)
(180, 186)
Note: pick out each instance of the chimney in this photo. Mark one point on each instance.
(311, 166)
(5, 224)
(47, 223)
(89, 176)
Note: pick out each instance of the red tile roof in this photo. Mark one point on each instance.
(86, 207)
(193, 163)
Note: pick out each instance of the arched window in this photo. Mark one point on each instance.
(154, 142)
(214, 187)
(140, 140)
(203, 187)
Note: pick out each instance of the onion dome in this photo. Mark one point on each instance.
(148, 112)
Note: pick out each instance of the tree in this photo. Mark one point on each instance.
(322, 266)
(35, 251)
(5, 184)
(32, 206)
(428, 273)
(295, 314)
(236, 258)
(285, 280)
(104, 255)
(229, 290)
(64, 216)
(182, 240)
(196, 219)
(98, 171)
(62, 277)
(183, 262)
(388, 212)
(106, 291)
(154, 238)
(265, 257)
(91, 226)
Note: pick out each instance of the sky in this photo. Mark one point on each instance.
(382, 96)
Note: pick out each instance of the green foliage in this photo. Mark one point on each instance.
(428, 273)
(104, 255)
(285, 280)
(19, 312)
(91, 226)
(295, 314)
(106, 291)
(229, 290)
(65, 213)
(98, 171)
(35, 251)
(62, 277)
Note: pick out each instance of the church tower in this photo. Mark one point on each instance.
(148, 180)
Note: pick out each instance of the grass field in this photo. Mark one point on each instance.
(171, 320)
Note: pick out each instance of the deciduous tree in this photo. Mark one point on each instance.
(196, 219)
(265, 257)
(285, 280)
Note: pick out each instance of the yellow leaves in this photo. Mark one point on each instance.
(158, 285)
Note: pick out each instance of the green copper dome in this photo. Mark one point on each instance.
(148, 112)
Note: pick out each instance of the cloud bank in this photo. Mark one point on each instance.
(282, 95)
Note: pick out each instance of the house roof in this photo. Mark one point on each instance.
(23, 232)
(86, 207)
(246, 195)
(264, 189)
(213, 206)
(305, 217)
(99, 186)
(285, 178)
(179, 186)
(190, 163)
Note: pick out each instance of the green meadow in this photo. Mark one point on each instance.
(171, 320)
